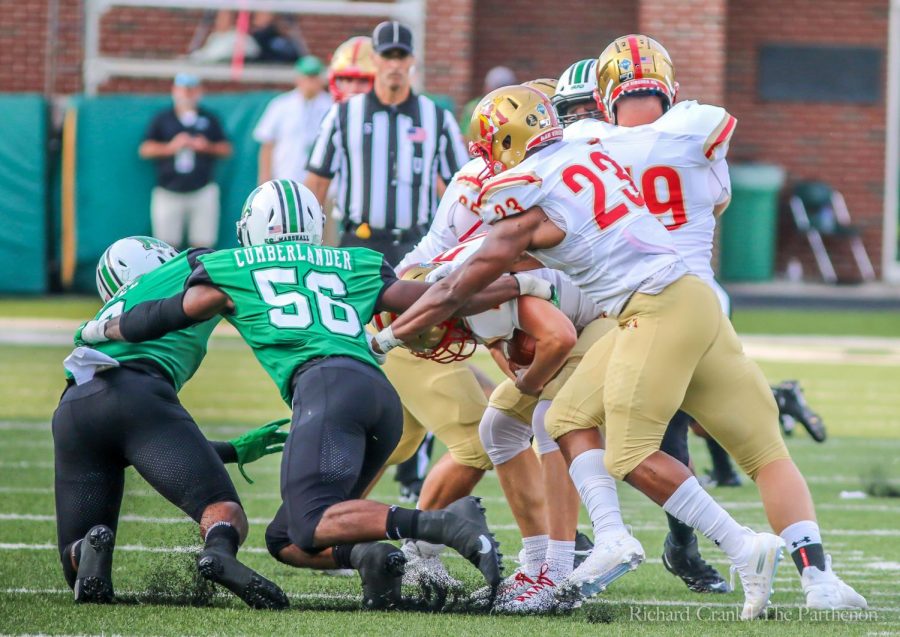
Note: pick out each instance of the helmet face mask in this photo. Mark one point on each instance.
(510, 122)
(634, 65)
(280, 210)
(126, 260)
(446, 342)
(576, 89)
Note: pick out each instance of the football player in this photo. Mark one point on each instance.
(571, 206)
(302, 309)
(560, 337)
(676, 154)
(121, 408)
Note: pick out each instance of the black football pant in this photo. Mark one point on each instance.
(127, 417)
(347, 420)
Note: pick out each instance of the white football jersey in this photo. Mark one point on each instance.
(678, 162)
(499, 322)
(456, 218)
(613, 246)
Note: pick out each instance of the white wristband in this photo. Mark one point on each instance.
(534, 286)
(386, 340)
(94, 332)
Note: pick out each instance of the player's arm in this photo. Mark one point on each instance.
(496, 352)
(503, 245)
(554, 337)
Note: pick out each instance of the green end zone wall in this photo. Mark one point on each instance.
(112, 184)
(23, 194)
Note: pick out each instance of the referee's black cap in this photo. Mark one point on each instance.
(392, 35)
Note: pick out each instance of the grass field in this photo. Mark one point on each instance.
(857, 397)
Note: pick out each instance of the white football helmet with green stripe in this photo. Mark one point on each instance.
(576, 87)
(281, 210)
(127, 259)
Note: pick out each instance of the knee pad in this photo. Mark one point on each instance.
(503, 436)
(543, 443)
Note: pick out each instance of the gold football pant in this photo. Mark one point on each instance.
(443, 399)
(671, 350)
(512, 402)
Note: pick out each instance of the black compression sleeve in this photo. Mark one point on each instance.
(227, 452)
(388, 278)
(152, 319)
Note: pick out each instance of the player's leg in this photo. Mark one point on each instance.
(681, 555)
(203, 221)
(331, 445)
(89, 479)
(411, 472)
(730, 396)
(166, 447)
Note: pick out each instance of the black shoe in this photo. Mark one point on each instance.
(409, 491)
(93, 583)
(718, 479)
(221, 567)
(583, 547)
(687, 563)
(791, 402)
(381, 568)
(463, 527)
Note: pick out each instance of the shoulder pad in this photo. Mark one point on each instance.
(508, 194)
(709, 127)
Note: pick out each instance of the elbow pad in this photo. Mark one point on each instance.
(152, 319)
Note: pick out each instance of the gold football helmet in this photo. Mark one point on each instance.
(509, 122)
(446, 342)
(545, 85)
(351, 60)
(634, 64)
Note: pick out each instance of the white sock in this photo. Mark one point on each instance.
(598, 491)
(800, 534)
(695, 507)
(535, 553)
(560, 559)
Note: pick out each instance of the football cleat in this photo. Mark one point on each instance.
(93, 583)
(537, 598)
(425, 570)
(409, 491)
(791, 402)
(463, 527)
(380, 567)
(687, 563)
(583, 548)
(714, 478)
(757, 573)
(255, 590)
(614, 555)
(826, 591)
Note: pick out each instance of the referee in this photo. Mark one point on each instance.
(393, 152)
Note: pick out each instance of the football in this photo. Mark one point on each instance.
(520, 348)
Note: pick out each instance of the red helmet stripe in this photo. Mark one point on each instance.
(635, 57)
(355, 55)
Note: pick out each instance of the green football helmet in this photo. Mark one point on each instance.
(576, 88)
(127, 259)
(281, 210)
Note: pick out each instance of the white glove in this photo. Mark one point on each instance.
(533, 286)
(386, 341)
(380, 357)
(441, 272)
(94, 332)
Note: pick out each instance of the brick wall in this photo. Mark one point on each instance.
(842, 144)
(540, 39)
(448, 61)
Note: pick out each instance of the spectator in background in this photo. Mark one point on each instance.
(290, 123)
(495, 78)
(185, 142)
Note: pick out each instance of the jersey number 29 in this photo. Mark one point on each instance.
(292, 310)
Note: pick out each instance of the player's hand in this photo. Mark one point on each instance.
(91, 333)
(256, 443)
(533, 286)
(524, 386)
(442, 271)
(379, 356)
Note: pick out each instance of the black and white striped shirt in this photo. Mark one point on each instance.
(387, 158)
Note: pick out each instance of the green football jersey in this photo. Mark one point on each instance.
(178, 354)
(294, 302)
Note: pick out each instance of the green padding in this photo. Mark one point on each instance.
(113, 184)
(23, 194)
